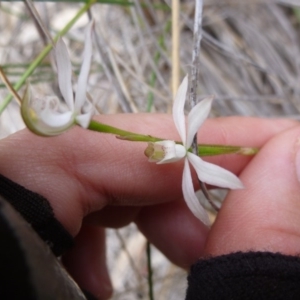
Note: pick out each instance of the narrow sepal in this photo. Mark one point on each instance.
(178, 109)
(190, 197)
(80, 95)
(213, 174)
(64, 72)
(196, 118)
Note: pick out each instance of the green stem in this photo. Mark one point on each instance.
(204, 150)
(43, 54)
(150, 271)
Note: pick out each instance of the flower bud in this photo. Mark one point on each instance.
(41, 115)
(164, 152)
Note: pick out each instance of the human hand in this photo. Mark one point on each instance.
(94, 181)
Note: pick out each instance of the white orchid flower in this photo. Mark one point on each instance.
(168, 151)
(49, 117)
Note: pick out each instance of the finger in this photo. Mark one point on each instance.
(113, 216)
(82, 171)
(171, 227)
(265, 215)
(86, 262)
(174, 230)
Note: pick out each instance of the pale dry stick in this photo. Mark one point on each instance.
(175, 46)
(146, 51)
(122, 84)
(140, 80)
(193, 82)
(102, 48)
(195, 57)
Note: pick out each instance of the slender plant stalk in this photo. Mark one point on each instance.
(195, 62)
(194, 80)
(43, 54)
(9, 86)
(150, 271)
(204, 150)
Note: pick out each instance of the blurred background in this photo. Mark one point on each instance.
(250, 61)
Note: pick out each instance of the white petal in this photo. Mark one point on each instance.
(80, 94)
(64, 72)
(174, 152)
(213, 174)
(180, 151)
(196, 117)
(55, 119)
(84, 119)
(190, 197)
(178, 109)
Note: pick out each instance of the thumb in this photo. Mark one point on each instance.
(265, 216)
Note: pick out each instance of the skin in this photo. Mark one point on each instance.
(94, 181)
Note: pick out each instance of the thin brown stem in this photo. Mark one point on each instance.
(43, 32)
(9, 86)
(207, 195)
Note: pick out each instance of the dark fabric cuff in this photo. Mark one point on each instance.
(36, 210)
(247, 276)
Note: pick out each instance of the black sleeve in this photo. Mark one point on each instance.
(28, 230)
(36, 210)
(246, 276)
